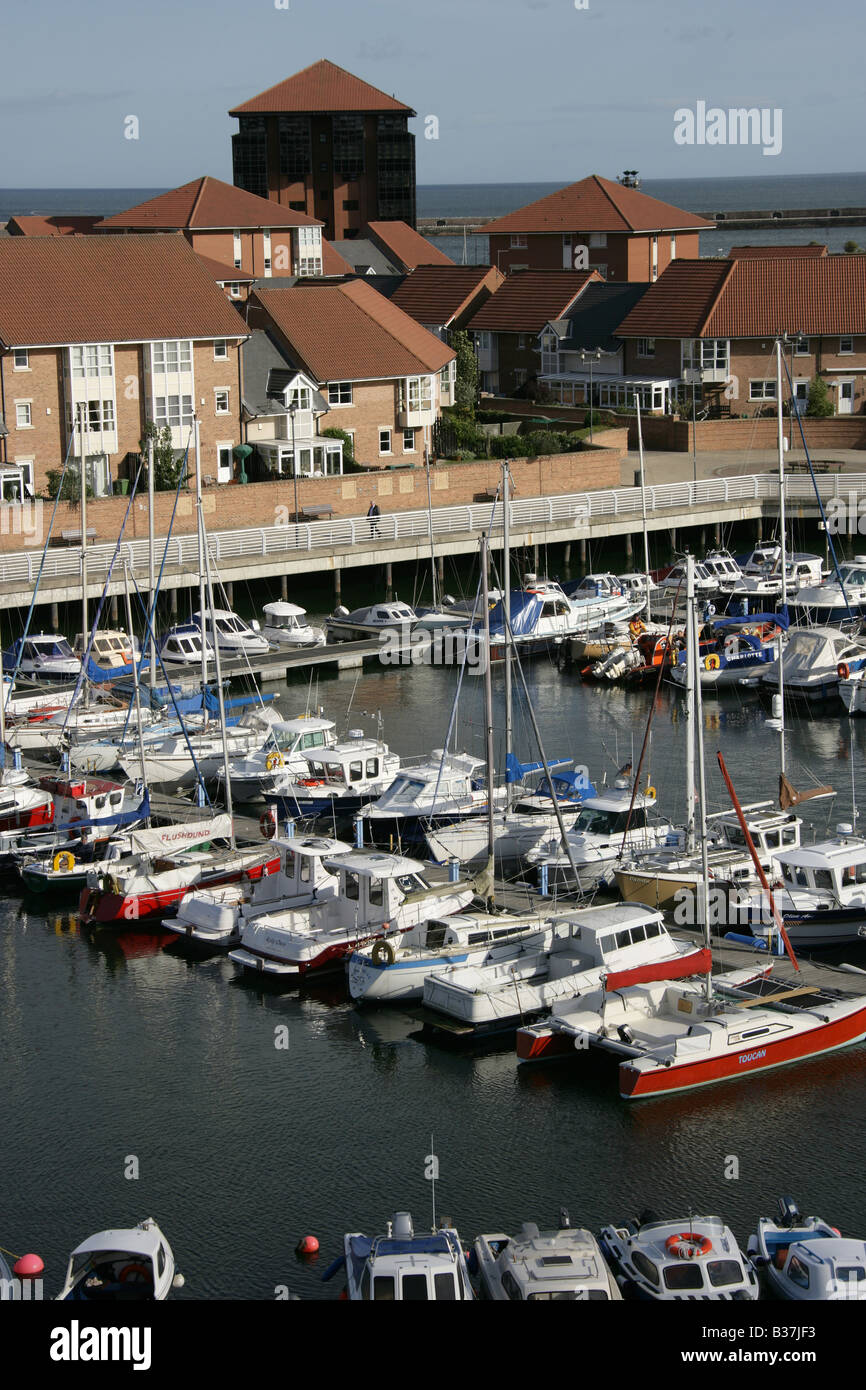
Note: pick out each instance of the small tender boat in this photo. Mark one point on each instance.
(565, 1265)
(815, 660)
(235, 637)
(401, 1266)
(213, 918)
(182, 646)
(391, 616)
(694, 1257)
(135, 1265)
(802, 1258)
(285, 626)
(43, 656)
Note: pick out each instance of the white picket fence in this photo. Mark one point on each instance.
(579, 508)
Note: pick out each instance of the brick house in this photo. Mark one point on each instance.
(595, 224)
(384, 377)
(81, 330)
(326, 143)
(507, 326)
(711, 325)
(283, 413)
(444, 297)
(233, 228)
(583, 360)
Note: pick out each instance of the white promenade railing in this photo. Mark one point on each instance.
(578, 508)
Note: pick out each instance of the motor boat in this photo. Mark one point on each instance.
(387, 971)
(731, 648)
(234, 637)
(112, 651)
(214, 918)
(676, 1035)
(176, 760)
(517, 829)
(285, 626)
(447, 788)
(283, 756)
(184, 645)
(674, 582)
(821, 898)
(390, 616)
(836, 600)
(544, 613)
(121, 1266)
(570, 956)
(607, 827)
(379, 895)
(815, 660)
(852, 692)
(721, 566)
(401, 1266)
(339, 778)
(543, 1266)
(803, 1258)
(694, 1257)
(43, 656)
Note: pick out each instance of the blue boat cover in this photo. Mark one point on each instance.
(525, 613)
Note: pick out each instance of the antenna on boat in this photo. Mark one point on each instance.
(694, 663)
(430, 1172)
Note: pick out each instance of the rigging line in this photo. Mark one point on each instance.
(449, 731)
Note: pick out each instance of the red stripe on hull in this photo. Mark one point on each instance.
(97, 906)
(542, 1047)
(25, 819)
(634, 1085)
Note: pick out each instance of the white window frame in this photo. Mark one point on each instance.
(237, 249)
(386, 429)
(27, 407)
(161, 352)
(162, 410)
(646, 347)
(336, 390)
(409, 448)
(767, 391)
(222, 391)
(224, 355)
(26, 465)
(234, 289)
(517, 241)
(846, 338)
(224, 444)
(18, 366)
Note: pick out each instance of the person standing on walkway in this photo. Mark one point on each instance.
(373, 515)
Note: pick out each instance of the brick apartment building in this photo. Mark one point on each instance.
(507, 326)
(712, 325)
(82, 328)
(384, 377)
(328, 144)
(443, 298)
(596, 224)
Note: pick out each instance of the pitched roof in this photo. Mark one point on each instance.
(436, 294)
(528, 299)
(57, 224)
(267, 370)
(349, 332)
(362, 256)
(206, 203)
(815, 296)
(592, 321)
(770, 253)
(597, 205)
(406, 247)
(99, 289)
(321, 87)
(225, 274)
(332, 262)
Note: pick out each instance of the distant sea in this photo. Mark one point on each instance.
(495, 199)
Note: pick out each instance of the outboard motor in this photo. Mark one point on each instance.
(789, 1212)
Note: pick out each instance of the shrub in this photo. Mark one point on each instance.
(820, 402)
(348, 453)
(507, 446)
(168, 465)
(70, 491)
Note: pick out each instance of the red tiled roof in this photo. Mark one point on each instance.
(815, 296)
(528, 299)
(99, 289)
(225, 274)
(350, 332)
(409, 247)
(59, 224)
(597, 205)
(771, 253)
(321, 87)
(332, 261)
(435, 294)
(204, 204)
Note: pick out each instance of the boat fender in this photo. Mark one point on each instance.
(64, 860)
(687, 1245)
(383, 953)
(711, 663)
(843, 670)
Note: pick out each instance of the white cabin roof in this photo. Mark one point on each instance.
(377, 865)
(135, 1240)
(279, 609)
(313, 846)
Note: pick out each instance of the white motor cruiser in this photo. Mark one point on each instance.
(285, 626)
(235, 637)
(185, 645)
(378, 895)
(804, 1259)
(447, 788)
(517, 829)
(340, 777)
(815, 660)
(565, 1265)
(695, 1257)
(402, 1267)
(43, 656)
(390, 616)
(213, 919)
(285, 755)
(822, 899)
(607, 827)
(839, 598)
(122, 1265)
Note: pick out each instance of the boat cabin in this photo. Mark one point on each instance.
(596, 586)
(770, 832)
(543, 1266)
(121, 1265)
(834, 867)
(353, 764)
(404, 1267)
(722, 567)
(184, 644)
(652, 1259)
(442, 783)
(111, 648)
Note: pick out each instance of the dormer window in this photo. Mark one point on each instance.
(299, 396)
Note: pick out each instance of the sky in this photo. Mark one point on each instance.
(522, 90)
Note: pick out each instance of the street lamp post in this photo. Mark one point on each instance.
(590, 357)
(293, 409)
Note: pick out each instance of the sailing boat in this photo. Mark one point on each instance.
(676, 1034)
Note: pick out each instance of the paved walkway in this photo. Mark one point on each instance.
(663, 467)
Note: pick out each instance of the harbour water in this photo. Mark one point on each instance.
(121, 1057)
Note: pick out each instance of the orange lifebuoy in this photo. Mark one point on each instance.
(688, 1245)
(139, 1270)
(843, 670)
(266, 825)
(310, 782)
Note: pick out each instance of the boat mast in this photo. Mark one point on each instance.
(488, 713)
(782, 525)
(694, 657)
(83, 481)
(430, 528)
(692, 679)
(135, 679)
(202, 540)
(150, 561)
(506, 609)
(201, 574)
(646, 559)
